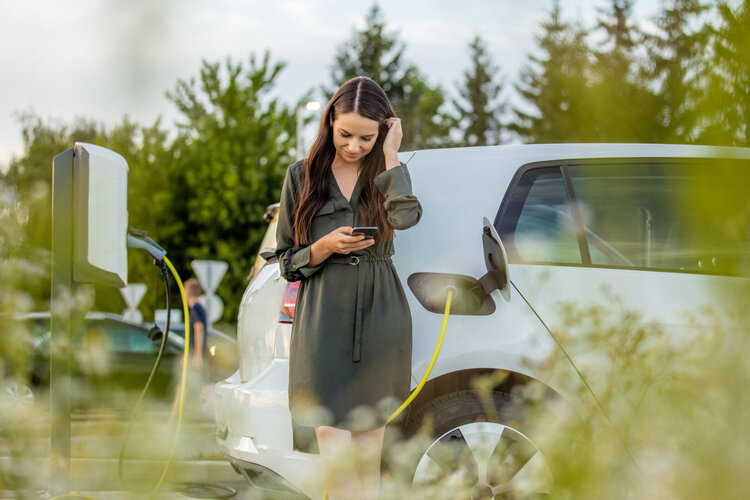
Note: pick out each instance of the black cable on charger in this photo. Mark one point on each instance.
(153, 334)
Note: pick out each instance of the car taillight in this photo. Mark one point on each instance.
(287, 305)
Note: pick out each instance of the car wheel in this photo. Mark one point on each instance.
(17, 395)
(483, 451)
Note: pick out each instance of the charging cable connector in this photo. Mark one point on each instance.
(138, 239)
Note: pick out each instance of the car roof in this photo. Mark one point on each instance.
(95, 315)
(572, 151)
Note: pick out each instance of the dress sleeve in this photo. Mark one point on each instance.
(402, 207)
(292, 260)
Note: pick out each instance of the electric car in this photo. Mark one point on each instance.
(517, 231)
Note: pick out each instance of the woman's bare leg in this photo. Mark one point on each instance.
(339, 472)
(367, 447)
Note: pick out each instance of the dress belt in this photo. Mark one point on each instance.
(354, 260)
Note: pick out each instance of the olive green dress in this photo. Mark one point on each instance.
(350, 359)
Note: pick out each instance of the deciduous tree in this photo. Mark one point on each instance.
(234, 145)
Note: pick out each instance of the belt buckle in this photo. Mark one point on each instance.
(353, 260)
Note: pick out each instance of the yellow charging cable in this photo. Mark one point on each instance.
(435, 354)
(183, 383)
(449, 298)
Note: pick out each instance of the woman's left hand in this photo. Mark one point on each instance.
(392, 142)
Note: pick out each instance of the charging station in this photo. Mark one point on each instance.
(89, 246)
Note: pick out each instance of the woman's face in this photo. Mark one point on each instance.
(354, 136)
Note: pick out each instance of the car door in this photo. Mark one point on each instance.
(642, 239)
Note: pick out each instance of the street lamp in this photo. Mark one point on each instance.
(309, 106)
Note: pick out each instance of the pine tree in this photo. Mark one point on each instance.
(675, 54)
(378, 54)
(725, 107)
(478, 115)
(555, 86)
(624, 107)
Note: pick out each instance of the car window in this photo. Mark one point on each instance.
(122, 337)
(544, 231)
(687, 216)
(672, 216)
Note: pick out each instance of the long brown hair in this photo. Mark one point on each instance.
(363, 96)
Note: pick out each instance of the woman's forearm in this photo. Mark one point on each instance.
(391, 160)
(319, 252)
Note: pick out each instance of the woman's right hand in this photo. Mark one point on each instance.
(340, 240)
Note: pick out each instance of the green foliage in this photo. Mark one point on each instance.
(478, 114)
(21, 270)
(687, 83)
(669, 410)
(725, 106)
(676, 57)
(30, 178)
(556, 86)
(228, 163)
(376, 53)
(621, 100)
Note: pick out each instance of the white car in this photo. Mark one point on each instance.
(573, 219)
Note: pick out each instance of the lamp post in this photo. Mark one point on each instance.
(309, 106)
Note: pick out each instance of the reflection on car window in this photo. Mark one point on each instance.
(681, 217)
(688, 216)
(537, 226)
(545, 231)
(122, 337)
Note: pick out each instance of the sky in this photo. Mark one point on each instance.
(104, 59)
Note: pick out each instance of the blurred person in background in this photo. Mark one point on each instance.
(197, 338)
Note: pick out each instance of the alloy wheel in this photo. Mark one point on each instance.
(491, 460)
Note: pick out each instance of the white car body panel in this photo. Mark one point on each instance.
(457, 188)
(257, 350)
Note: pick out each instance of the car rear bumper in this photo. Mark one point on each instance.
(258, 469)
(254, 432)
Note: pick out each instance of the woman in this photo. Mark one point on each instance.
(350, 360)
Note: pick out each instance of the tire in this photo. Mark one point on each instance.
(17, 395)
(481, 449)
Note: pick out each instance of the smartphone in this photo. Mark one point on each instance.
(368, 231)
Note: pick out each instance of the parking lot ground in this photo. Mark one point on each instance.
(96, 441)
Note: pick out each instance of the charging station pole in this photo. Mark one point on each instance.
(89, 245)
(61, 320)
